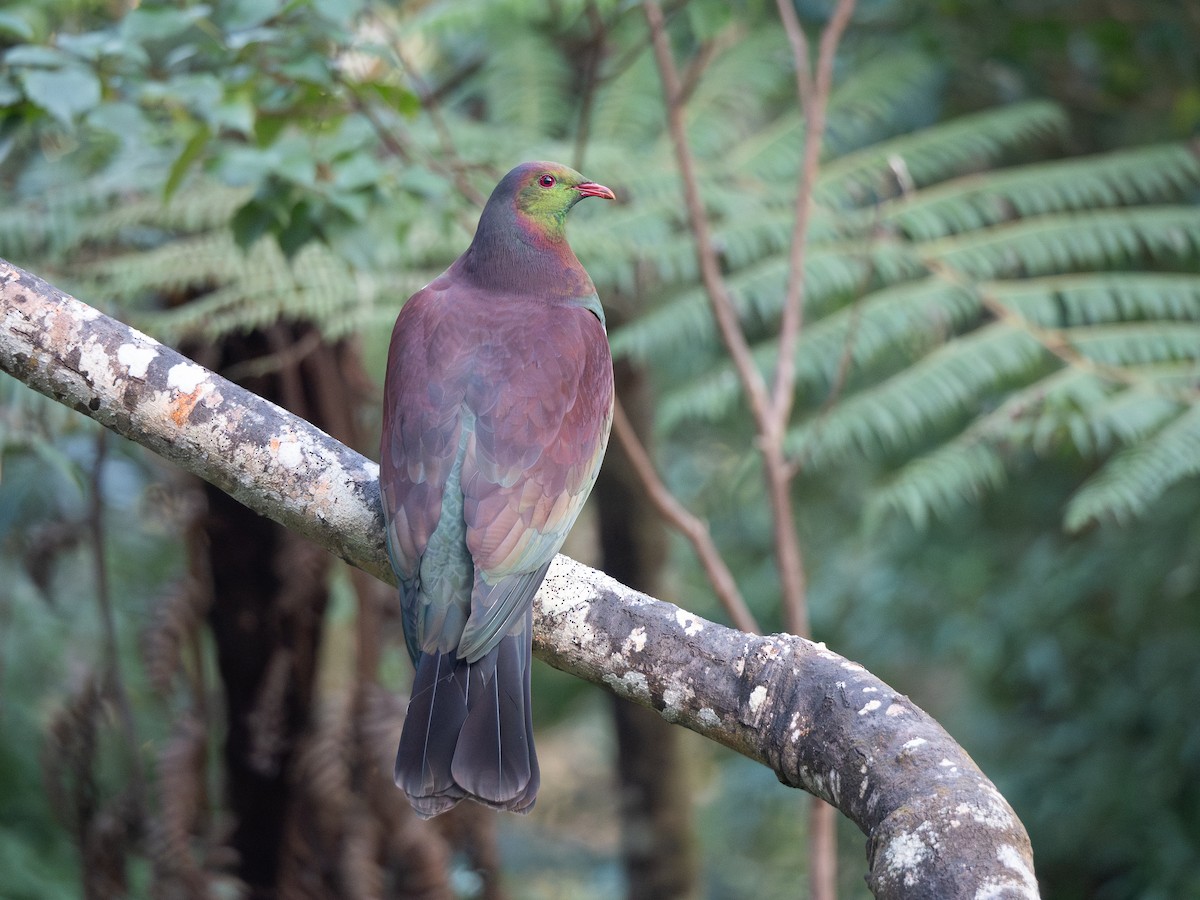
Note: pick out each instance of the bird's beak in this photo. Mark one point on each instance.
(591, 189)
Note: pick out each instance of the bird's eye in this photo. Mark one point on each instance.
(546, 180)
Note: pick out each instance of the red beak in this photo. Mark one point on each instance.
(591, 189)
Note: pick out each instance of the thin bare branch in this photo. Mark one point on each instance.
(690, 526)
(779, 470)
(799, 44)
(792, 320)
(734, 338)
(451, 161)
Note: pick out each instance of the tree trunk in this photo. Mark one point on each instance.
(269, 598)
(655, 806)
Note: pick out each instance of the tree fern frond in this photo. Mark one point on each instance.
(1137, 476)
(1092, 298)
(940, 483)
(1136, 342)
(909, 407)
(976, 462)
(880, 101)
(627, 110)
(896, 319)
(1064, 243)
(1144, 175)
(830, 273)
(188, 265)
(527, 84)
(935, 153)
(1123, 418)
(865, 108)
(189, 211)
(732, 99)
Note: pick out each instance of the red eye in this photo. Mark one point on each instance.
(546, 181)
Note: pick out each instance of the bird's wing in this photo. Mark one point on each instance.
(420, 458)
(542, 408)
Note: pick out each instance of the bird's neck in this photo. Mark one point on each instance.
(511, 252)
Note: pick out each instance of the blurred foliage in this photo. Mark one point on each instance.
(999, 372)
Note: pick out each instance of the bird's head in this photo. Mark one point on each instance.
(542, 194)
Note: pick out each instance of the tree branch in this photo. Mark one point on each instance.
(691, 527)
(814, 98)
(936, 826)
(753, 384)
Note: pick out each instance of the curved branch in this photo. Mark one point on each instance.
(936, 827)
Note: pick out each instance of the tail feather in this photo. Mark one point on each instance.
(436, 711)
(469, 731)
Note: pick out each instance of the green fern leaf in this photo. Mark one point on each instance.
(1092, 298)
(902, 320)
(1064, 243)
(1145, 175)
(1137, 476)
(952, 382)
(933, 154)
(1136, 342)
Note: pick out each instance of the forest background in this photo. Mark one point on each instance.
(995, 436)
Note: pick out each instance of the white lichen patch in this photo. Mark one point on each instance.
(136, 358)
(636, 642)
(675, 699)
(870, 707)
(286, 451)
(94, 365)
(758, 697)
(1023, 884)
(852, 666)
(568, 600)
(909, 746)
(708, 718)
(691, 625)
(794, 726)
(895, 709)
(1011, 857)
(677, 695)
(631, 686)
(905, 855)
(993, 813)
(186, 377)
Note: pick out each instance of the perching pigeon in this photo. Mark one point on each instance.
(498, 402)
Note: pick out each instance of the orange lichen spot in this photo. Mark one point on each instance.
(182, 406)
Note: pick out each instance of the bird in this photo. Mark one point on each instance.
(498, 401)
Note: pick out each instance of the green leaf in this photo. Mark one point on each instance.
(234, 113)
(64, 93)
(36, 56)
(159, 23)
(12, 25)
(190, 153)
(124, 120)
(243, 14)
(397, 97)
(252, 221)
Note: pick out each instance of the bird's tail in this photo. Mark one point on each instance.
(469, 731)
